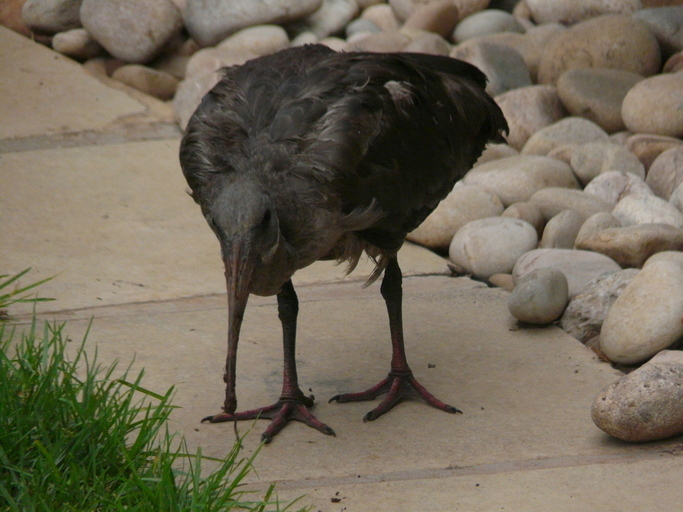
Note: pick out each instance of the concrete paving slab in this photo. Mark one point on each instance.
(46, 93)
(114, 224)
(525, 393)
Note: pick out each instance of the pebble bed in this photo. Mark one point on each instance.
(579, 215)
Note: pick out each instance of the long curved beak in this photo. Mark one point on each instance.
(239, 268)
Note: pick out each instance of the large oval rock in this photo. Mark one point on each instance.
(528, 212)
(592, 159)
(491, 246)
(579, 267)
(646, 318)
(464, 204)
(149, 25)
(597, 94)
(610, 41)
(211, 21)
(516, 178)
(631, 246)
(595, 223)
(503, 66)
(570, 130)
(51, 15)
(586, 312)
(666, 23)
(573, 11)
(666, 172)
(632, 210)
(528, 109)
(647, 147)
(612, 186)
(646, 404)
(552, 201)
(654, 105)
(560, 231)
(438, 16)
(486, 22)
(539, 297)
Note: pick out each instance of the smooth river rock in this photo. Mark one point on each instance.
(646, 404)
(597, 94)
(570, 130)
(464, 204)
(528, 109)
(560, 231)
(149, 25)
(489, 21)
(553, 200)
(610, 41)
(528, 212)
(573, 11)
(211, 21)
(666, 172)
(515, 179)
(654, 105)
(631, 246)
(539, 297)
(592, 159)
(51, 15)
(491, 246)
(646, 318)
(647, 147)
(612, 186)
(579, 267)
(666, 24)
(586, 312)
(632, 210)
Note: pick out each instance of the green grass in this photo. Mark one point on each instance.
(14, 296)
(75, 438)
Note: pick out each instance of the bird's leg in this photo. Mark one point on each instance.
(293, 404)
(400, 383)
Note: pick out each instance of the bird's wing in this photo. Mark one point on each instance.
(399, 131)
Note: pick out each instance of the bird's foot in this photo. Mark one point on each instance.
(399, 387)
(281, 413)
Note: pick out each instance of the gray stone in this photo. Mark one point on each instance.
(150, 81)
(570, 130)
(666, 172)
(579, 267)
(612, 186)
(438, 16)
(595, 223)
(586, 312)
(560, 231)
(631, 246)
(491, 246)
(553, 200)
(592, 159)
(539, 297)
(610, 41)
(211, 21)
(573, 11)
(528, 109)
(361, 25)
(77, 44)
(464, 204)
(632, 210)
(426, 42)
(515, 179)
(654, 106)
(528, 212)
(482, 23)
(666, 24)
(52, 16)
(134, 31)
(648, 147)
(597, 94)
(646, 317)
(645, 405)
(504, 67)
(329, 19)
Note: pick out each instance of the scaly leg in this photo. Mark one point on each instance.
(293, 404)
(400, 383)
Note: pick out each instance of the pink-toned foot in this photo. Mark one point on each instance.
(281, 413)
(399, 387)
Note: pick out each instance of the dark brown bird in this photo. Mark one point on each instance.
(309, 154)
